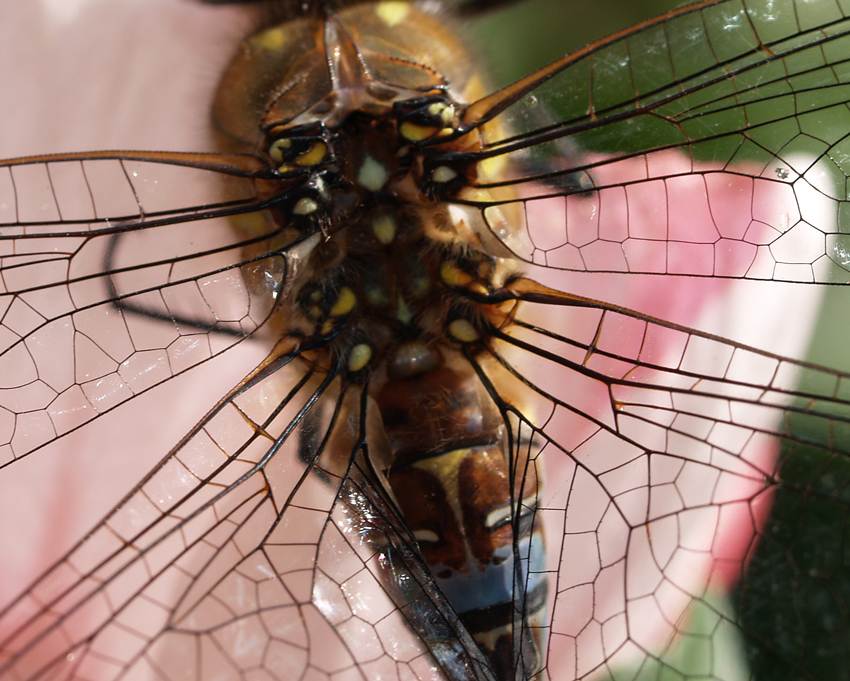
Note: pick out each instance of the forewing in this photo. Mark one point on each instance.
(116, 277)
(748, 94)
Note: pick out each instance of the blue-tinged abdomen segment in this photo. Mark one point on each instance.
(460, 508)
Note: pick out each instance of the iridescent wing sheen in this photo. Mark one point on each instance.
(264, 544)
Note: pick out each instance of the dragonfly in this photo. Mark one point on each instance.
(246, 552)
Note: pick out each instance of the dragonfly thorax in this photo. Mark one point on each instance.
(368, 146)
(391, 276)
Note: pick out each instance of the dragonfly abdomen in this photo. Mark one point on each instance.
(472, 519)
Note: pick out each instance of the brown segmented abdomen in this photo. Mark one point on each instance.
(470, 502)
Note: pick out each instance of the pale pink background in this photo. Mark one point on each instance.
(136, 74)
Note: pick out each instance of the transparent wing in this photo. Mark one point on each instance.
(661, 450)
(750, 94)
(112, 296)
(84, 245)
(265, 531)
(252, 546)
(264, 545)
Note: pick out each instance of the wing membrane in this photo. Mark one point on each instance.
(676, 445)
(228, 501)
(71, 348)
(89, 193)
(742, 96)
(228, 546)
(264, 542)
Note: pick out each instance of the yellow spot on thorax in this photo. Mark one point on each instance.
(359, 357)
(443, 174)
(384, 229)
(271, 40)
(344, 303)
(277, 149)
(392, 12)
(463, 331)
(376, 296)
(305, 206)
(403, 312)
(313, 156)
(371, 175)
(453, 275)
(417, 133)
(420, 286)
